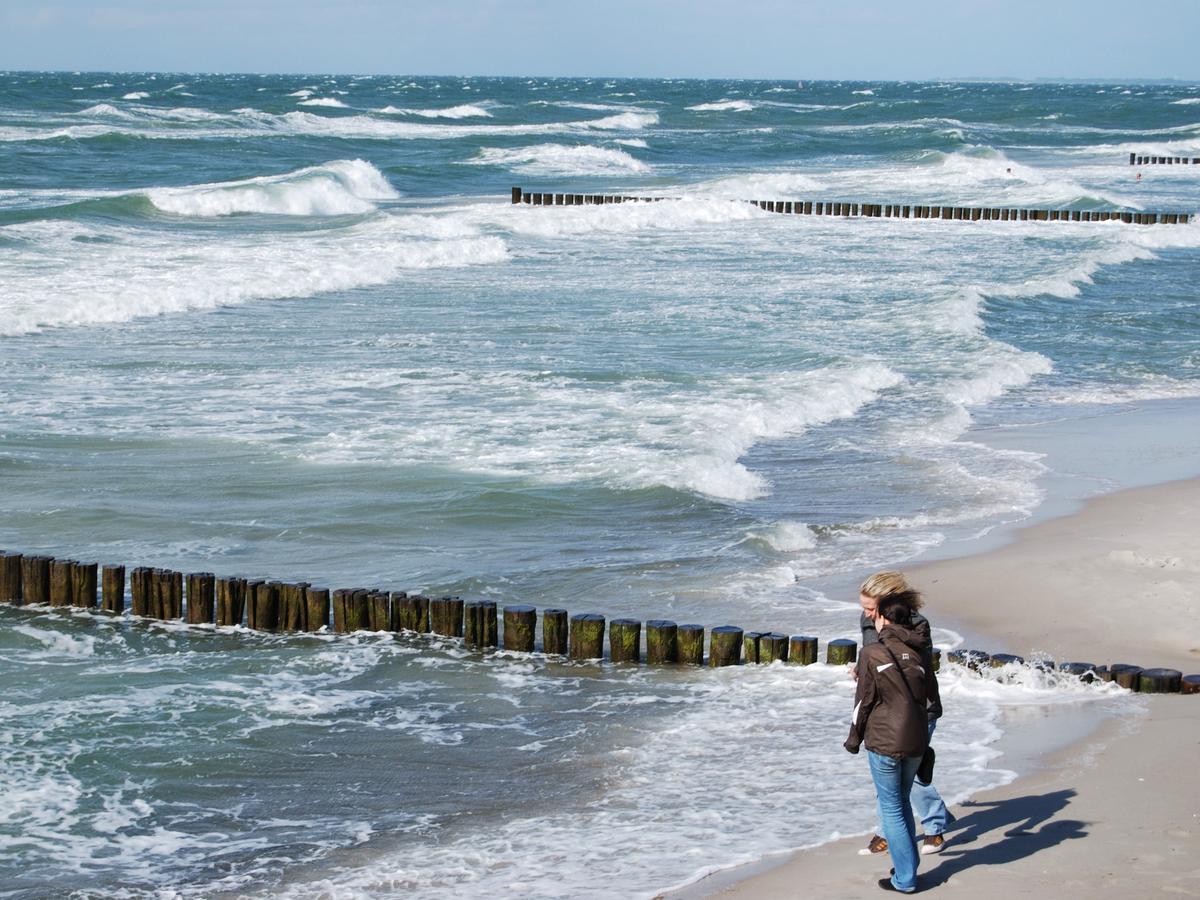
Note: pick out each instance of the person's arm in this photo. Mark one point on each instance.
(864, 702)
(933, 697)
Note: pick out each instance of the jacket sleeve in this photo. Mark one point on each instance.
(864, 701)
(933, 697)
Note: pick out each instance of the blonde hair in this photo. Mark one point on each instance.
(891, 586)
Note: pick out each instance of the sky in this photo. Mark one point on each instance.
(801, 39)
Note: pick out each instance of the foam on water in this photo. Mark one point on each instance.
(723, 106)
(462, 111)
(331, 102)
(340, 187)
(559, 159)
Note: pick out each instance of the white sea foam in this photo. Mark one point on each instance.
(723, 106)
(58, 643)
(135, 95)
(341, 187)
(867, 92)
(462, 111)
(1186, 101)
(559, 159)
(323, 101)
(131, 273)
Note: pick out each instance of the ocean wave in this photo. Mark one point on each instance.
(332, 102)
(136, 95)
(558, 159)
(341, 187)
(85, 275)
(462, 111)
(723, 106)
(1186, 101)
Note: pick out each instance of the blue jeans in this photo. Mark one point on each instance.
(893, 784)
(928, 803)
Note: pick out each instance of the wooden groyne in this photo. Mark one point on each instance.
(1135, 160)
(202, 598)
(882, 210)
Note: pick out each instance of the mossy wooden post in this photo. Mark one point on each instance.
(690, 641)
(625, 640)
(139, 591)
(750, 646)
(200, 598)
(61, 582)
(160, 593)
(267, 596)
(662, 642)
(83, 585)
(587, 636)
(472, 624)
(773, 646)
(520, 628)
(454, 615)
(802, 650)
(1159, 681)
(554, 632)
(841, 652)
(10, 578)
(293, 606)
(1189, 684)
(725, 646)
(252, 608)
(379, 611)
(316, 609)
(440, 615)
(490, 631)
(411, 613)
(1125, 675)
(340, 599)
(112, 589)
(231, 601)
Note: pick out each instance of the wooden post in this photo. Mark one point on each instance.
(750, 646)
(773, 646)
(725, 646)
(60, 582)
(412, 613)
(937, 660)
(446, 616)
(200, 598)
(520, 625)
(802, 649)
(83, 585)
(662, 642)
(1125, 675)
(1004, 659)
(316, 611)
(554, 632)
(35, 579)
(1189, 684)
(587, 636)
(516, 195)
(293, 601)
(174, 594)
(1082, 670)
(265, 605)
(379, 611)
(113, 589)
(840, 652)
(10, 578)
(808, 207)
(1159, 681)
(690, 642)
(625, 640)
(231, 601)
(480, 628)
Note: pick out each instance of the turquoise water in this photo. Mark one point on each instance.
(290, 327)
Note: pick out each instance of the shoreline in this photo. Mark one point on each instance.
(1105, 583)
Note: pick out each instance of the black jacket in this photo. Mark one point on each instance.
(919, 625)
(895, 690)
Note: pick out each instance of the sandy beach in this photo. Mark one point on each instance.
(1116, 812)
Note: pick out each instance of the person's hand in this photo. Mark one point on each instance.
(853, 671)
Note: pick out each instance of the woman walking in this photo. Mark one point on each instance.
(894, 694)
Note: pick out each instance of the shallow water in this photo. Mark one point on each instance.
(290, 327)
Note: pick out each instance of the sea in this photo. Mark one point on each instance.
(291, 327)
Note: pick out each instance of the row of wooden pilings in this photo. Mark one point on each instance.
(884, 210)
(1135, 160)
(201, 598)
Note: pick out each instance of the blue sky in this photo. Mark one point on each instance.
(868, 39)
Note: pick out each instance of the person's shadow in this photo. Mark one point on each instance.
(1028, 825)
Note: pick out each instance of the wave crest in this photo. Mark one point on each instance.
(559, 159)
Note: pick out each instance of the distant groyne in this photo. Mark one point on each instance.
(846, 209)
(1136, 160)
(204, 599)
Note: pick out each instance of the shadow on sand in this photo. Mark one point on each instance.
(1027, 824)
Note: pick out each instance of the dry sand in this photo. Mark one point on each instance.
(1115, 814)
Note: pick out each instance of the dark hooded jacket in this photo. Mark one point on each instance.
(890, 717)
(919, 625)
